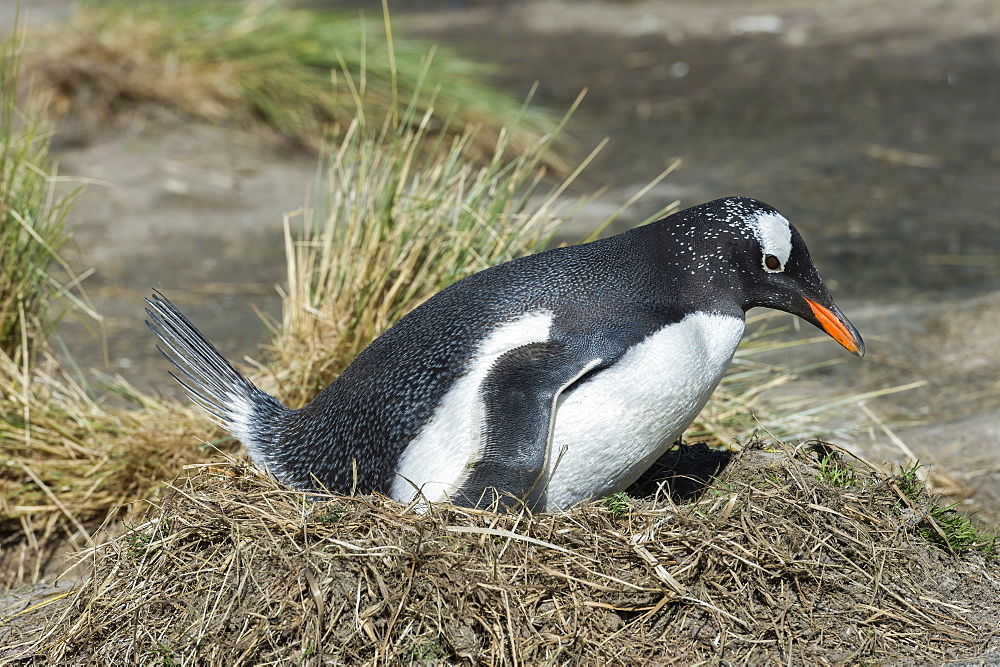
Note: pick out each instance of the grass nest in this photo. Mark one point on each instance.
(797, 555)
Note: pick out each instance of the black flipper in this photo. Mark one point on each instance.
(519, 396)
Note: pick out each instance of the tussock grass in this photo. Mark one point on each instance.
(46, 425)
(32, 219)
(767, 566)
(250, 64)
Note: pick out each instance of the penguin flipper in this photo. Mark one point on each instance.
(519, 396)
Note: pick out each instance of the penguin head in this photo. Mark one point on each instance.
(765, 263)
(779, 273)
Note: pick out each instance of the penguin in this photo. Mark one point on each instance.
(541, 382)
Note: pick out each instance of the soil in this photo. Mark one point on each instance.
(874, 130)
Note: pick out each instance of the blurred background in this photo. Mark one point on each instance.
(873, 127)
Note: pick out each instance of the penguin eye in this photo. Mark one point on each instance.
(772, 263)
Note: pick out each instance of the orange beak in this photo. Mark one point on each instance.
(833, 322)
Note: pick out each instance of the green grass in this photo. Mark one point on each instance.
(942, 525)
(161, 655)
(332, 515)
(960, 532)
(909, 482)
(426, 651)
(835, 472)
(617, 504)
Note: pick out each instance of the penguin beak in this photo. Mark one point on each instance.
(833, 322)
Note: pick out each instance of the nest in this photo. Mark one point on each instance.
(771, 562)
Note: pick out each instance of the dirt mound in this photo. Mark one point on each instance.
(794, 555)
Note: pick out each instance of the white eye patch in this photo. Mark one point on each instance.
(774, 234)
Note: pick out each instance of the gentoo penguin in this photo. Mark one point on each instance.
(549, 380)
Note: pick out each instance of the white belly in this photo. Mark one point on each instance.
(436, 463)
(608, 430)
(612, 428)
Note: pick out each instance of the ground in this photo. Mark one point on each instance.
(873, 130)
(794, 556)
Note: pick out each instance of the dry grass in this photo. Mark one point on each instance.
(69, 463)
(770, 564)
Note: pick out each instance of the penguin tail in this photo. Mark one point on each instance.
(251, 415)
